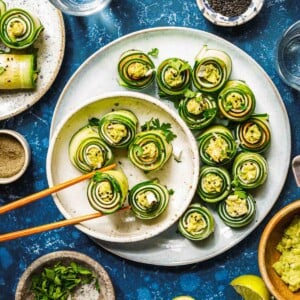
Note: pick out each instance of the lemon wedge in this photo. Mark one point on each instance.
(251, 287)
(183, 298)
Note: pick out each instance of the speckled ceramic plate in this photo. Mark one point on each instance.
(169, 248)
(50, 45)
(87, 291)
(218, 19)
(123, 226)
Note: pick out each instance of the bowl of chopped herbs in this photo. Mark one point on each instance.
(230, 13)
(65, 275)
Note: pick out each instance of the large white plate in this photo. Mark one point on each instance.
(98, 74)
(123, 226)
(51, 47)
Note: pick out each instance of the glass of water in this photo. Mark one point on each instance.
(80, 7)
(288, 56)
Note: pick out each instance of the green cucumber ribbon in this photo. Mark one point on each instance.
(17, 71)
(238, 209)
(150, 150)
(2, 8)
(211, 70)
(148, 199)
(198, 110)
(19, 28)
(136, 69)
(236, 101)
(217, 145)
(197, 223)
(87, 151)
(254, 134)
(214, 184)
(173, 77)
(249, 170)
(118, 128)
(107, 191)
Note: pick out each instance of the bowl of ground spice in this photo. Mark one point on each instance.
(14, 155)
(229, 13)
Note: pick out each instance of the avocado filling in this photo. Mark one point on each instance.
(16, 29)
(94, 157)
(173, 77)
(212, 183)
(137, 71)
(235, 101)
(217, 149)
(196, 107)
(116, 132)
(147, 199)
(209, 73)
(150, 152)
(253, 135)
(248, 172)
(236, 206)
(105, 191)
(195, 223)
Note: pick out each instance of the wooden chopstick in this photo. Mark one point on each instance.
(51, 190)
(30, 231)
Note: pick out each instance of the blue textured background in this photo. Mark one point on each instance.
(205, 281)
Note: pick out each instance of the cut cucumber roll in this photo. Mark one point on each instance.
(217, 146)
(197, 223)
(173, 77)
(17, 71)
(236, 101)
(254, 134)
(152, 147)
(148, 199)
(214, 184)
(249, 170)
(198, 110)
(136, 69)
(238, 209)
(87, 151)
(211, 70)
(107, 191)
(19, 29)
(118, 128)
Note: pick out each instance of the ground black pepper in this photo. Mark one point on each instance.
(12, 156)
(229, 8)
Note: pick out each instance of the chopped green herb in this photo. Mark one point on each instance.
(154, 124)
(154, 52)
(2, 70)
(94, 122)
(60, 281)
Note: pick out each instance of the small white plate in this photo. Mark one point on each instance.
(218, 19)
(181, 177)
(51, 47)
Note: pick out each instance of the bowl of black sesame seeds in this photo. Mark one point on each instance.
(229, 13)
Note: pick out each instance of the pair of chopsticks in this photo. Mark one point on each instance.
(44, 193)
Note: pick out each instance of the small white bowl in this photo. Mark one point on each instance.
(221, 20)
(20, 138)
(66, 257)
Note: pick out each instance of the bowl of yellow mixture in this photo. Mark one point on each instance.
(279, 253)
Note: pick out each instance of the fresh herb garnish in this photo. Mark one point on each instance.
(154, 52)
(154, 124)
(60, 281)
(94, 122)
(179, 65)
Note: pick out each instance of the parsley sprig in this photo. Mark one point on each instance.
(154, 124)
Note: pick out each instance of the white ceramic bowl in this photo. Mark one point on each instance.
(181, 177)
(221, 20)
(21, 139)
(66, 257)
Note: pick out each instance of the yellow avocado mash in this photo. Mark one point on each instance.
(288, 265)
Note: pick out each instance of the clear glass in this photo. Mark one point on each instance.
(288, 56)
(80, 7)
